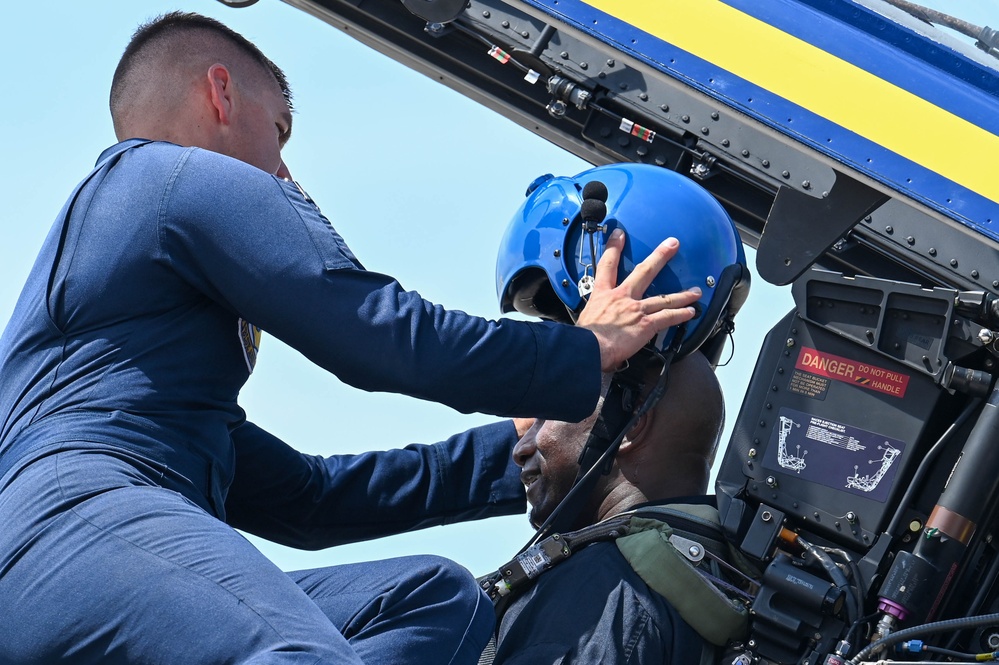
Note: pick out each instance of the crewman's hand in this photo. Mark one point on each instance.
(619, 316)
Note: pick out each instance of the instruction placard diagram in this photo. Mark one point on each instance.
(834, 454)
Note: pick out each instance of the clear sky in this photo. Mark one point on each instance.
(419, 180)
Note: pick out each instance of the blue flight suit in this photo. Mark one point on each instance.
(123, 450)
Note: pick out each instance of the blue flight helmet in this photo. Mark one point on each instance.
(550, 250)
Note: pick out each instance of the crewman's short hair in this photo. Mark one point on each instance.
(148, 35)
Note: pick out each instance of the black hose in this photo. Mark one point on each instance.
(837, 576)
(935, 627)
(927, 464)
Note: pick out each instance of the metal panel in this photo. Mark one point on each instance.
(616, 93)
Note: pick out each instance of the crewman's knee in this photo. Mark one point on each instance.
(450, 589)
(394, 610)
(444, 582)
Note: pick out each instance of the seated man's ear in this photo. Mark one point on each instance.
(635, 439)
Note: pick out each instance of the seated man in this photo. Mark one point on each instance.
(593, 607)
(610, 577)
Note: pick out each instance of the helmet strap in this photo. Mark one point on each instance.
(618, 406)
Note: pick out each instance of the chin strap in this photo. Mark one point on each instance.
(618, 408)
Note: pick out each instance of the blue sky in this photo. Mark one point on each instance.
(419, 180)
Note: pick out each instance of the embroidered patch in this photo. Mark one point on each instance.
(249, 338)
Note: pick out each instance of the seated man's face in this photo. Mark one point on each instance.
(548, 456)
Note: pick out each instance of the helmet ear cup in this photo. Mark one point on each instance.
(531, 293)
(730, 293)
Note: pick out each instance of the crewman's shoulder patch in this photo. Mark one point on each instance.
(249, 338)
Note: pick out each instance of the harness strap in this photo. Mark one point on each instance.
(522, 570)
(681, 564)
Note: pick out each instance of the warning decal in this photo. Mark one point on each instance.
(808, 385)
(846, 370)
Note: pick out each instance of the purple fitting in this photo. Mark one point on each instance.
(892, 608)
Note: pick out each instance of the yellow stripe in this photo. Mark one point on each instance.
(822, 83)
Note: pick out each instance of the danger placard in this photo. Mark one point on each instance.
(846, 370)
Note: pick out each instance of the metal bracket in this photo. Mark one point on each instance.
(785, 253)
(690, 549)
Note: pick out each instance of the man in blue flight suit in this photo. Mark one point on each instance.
(124, 453)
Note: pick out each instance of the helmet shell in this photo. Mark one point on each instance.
(650, 203)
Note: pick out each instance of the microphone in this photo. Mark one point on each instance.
(593, 211)
(595, 190)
